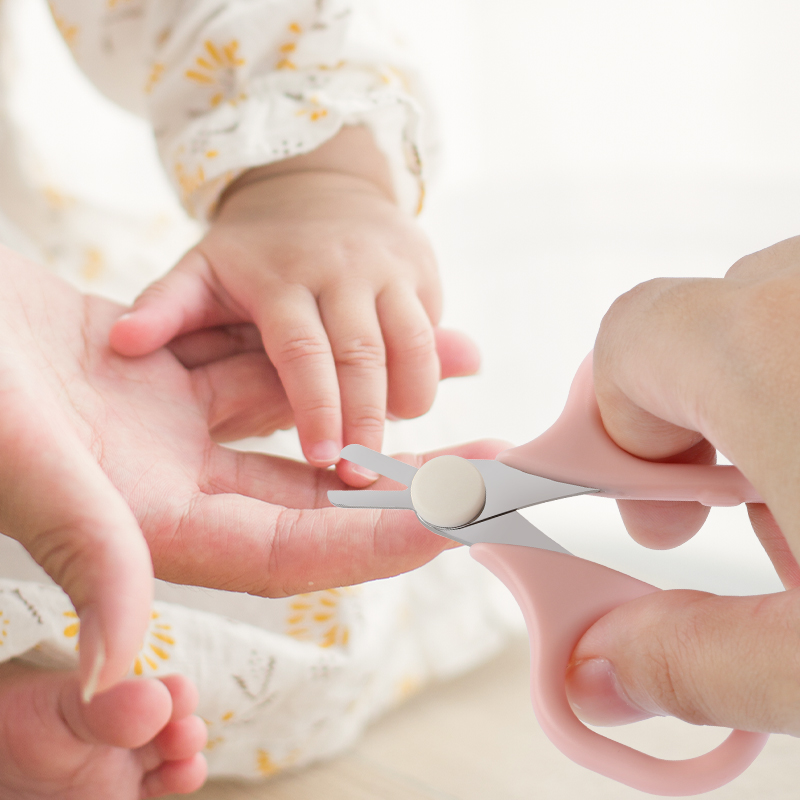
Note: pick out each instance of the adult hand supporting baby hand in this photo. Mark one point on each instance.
(108, 460)
(341, 283)
(683, 367)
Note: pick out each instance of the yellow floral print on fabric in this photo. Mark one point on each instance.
(396, 76)
(94, 264)
(288, 47)
(267, 766)
(155, 649)
(156, 73)
(314, 110)
(57, 199)
(4, 623)
(337, 65)
(217, 68)
(315, 617)
(215, 739)
(407, 687)
(195, 187)
(189, 182)
(69, 31)
(73, 626)
(158, 642)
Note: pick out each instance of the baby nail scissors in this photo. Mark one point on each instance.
(476, 502)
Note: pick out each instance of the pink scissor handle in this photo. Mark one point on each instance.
(561, 596)
(576, 449)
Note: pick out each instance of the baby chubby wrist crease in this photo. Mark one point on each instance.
(278, 176)
(351, 157)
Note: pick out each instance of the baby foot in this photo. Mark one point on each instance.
(137, 740)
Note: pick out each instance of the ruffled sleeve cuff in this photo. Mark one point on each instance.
(288, 112)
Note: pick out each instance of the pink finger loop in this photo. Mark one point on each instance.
(561, 597)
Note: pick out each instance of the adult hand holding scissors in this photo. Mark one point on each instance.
(684, 367)
(476, 502)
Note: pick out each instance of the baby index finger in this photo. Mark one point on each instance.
(297, 344)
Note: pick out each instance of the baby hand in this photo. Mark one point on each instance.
(344, 290)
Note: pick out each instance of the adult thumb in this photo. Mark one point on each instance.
(56, 500)
(725, 661)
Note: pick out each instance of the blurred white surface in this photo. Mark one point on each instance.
(582, 88)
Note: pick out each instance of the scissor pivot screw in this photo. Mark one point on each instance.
(448, 492)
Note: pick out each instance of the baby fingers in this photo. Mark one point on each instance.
(412, 359)
(186, 299)
(297, 344)
(358, 350)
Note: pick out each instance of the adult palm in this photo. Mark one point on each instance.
(109, 462)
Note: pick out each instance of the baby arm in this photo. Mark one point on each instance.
(316, 248)
(341, 283)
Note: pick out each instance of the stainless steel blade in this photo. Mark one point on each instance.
(510, 528)
(371, 499)
(377, 462)
(508, 489)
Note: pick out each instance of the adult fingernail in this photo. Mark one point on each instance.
(325, 452)
(596, 696)
(92, 654)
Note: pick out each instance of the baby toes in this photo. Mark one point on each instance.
(184, 695)
(175, 777)
(172, 760)
(129, 715)
(181, 739)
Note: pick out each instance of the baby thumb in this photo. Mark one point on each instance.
(57, 501)
(725, 661)
(181, 302)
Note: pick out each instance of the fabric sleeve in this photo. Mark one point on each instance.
(233, 84)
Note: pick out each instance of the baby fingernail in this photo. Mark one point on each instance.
(366, 473)
(596, 696)
(325, 452)
(93, 654)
